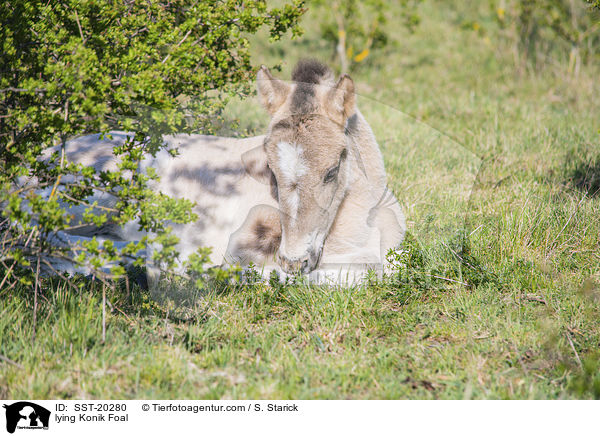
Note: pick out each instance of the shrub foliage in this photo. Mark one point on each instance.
(71, 67)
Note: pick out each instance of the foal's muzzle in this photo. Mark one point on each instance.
(303, 264)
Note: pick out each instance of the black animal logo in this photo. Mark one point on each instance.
(26, 414)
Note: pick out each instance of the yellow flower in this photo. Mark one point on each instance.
(500, 12)
(362, 55)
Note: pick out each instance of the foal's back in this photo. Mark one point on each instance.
(207, 170)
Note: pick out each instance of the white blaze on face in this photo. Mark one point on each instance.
(292, 166)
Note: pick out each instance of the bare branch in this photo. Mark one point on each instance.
(10, 361)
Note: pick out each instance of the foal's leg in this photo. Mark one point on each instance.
(256, 241)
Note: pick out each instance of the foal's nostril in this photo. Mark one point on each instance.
(294, 265)
(304, 266)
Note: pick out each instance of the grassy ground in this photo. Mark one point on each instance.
(498, 169)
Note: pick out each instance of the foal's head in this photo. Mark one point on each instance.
(307, 152)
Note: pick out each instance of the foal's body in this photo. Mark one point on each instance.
(207, 170)
(263, 200)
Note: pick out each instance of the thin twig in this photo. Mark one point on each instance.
(449, 280)
(11, 362)
(11, 89)
(7, 274)
(177, 45)
(537, 298)
(95, 206)
(79, 26)
(124, 314)
(574, 350)
(103, 313)
(29, 188)
(458, 256)
(60, 275)
(35, 293)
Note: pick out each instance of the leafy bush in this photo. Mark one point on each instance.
(419, 270)
(80, 66)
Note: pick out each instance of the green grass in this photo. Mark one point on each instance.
(498, 171)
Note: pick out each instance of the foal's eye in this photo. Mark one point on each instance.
(331, 174)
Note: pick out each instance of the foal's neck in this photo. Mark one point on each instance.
(368, 166)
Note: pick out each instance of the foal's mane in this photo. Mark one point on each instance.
(307, 74)
(311, 71)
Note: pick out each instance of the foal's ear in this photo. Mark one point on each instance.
(341, 102)
(255, 164)
(272, 92)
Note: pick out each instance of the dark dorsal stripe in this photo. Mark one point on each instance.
(303, 99)
(309, 71)
(293, 121)
(306, 74)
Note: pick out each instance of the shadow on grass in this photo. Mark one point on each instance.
(582, 168)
